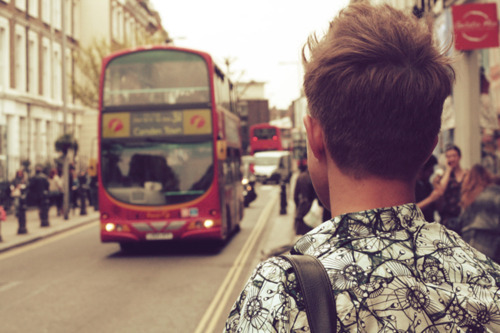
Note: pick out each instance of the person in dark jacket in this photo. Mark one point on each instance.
(39, 188)
(451, 182)
(303, 196)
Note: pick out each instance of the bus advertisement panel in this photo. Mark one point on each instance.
(169, 156)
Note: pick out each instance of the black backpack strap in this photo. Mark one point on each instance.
(317, 292)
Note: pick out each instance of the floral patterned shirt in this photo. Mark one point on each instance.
(391, 271)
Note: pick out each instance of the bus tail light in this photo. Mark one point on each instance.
(275, 138)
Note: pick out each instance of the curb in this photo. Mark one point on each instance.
(48, 234)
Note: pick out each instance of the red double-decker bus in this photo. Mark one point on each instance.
(169, 148)
(265, 137)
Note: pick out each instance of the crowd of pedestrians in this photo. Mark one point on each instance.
(46, 187)
(465, 201)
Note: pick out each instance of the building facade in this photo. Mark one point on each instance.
(33, 110)
(253, 108)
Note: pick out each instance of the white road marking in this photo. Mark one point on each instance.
(213, 313)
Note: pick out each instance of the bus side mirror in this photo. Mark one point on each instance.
(221, 149)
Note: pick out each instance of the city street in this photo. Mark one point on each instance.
(72, 282)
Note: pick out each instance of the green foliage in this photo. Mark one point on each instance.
(66, 142)
(88, 61)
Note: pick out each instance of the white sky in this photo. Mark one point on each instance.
(262, 38)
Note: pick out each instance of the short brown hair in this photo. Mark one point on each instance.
(377, 83)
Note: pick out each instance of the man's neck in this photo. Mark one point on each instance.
(348, 194)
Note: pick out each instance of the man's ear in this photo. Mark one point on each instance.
(436, 139)
(315, 136)
(434, 144)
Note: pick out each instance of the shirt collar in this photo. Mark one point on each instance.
(383, 219)
(362, 224)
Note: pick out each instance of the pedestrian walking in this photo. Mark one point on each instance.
(17, 185)
(56, 193)
(451, 182)
(73, 187)
(83, 191)
(480, 217)
(375, 86)
(303, 197)
(39, 191)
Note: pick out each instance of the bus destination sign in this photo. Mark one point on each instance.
(147, 124)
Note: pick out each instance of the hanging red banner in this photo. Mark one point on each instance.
(475, 26)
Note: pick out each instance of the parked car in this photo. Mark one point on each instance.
(273, 166)
(248, 180)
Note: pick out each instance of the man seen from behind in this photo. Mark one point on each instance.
(375, 85)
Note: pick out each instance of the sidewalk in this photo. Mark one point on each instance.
(281, 236)
(8, 228)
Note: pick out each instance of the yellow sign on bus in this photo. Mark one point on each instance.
(116, 125)
(197, 122)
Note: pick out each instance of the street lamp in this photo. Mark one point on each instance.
(64, 110)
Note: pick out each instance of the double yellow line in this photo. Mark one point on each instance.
(213, 313)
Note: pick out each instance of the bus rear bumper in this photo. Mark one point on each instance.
(202, 234)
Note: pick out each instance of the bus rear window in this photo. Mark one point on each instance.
(264, 133)
(156, 77)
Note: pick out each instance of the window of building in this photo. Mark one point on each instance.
(21, 5)
(114, 22)
(46, 11)
(56, 14)
(56, 72)
(46, 69)
(37, 142)
(20, 58)
(3, 153)
(120, 25)
(133, 35)
(68, 17)
(75, 27)
(128, 31)
(49, 138)
(69, 74)
(4, 53)
(12, 129)
(33, 8)
(23, 139)
(33, 70)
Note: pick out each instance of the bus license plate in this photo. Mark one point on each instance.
(160, 236)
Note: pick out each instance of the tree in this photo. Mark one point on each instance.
(66, 142)
(88, 62)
